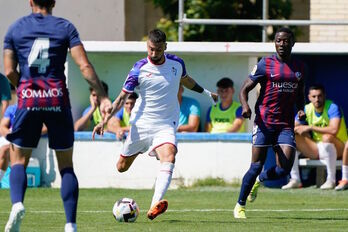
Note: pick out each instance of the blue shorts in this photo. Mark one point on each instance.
(26, 129)
(265, 137)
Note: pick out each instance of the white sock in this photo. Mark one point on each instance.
(295, 172)
(344, 172)
(70, 227)
(327, 153)
(2, 173)
(163, 180)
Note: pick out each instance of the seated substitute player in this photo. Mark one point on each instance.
(321, 136)
(5, 93)
(226, 116)
(5, 128)
(120, 123)
(155, 116)
(5, 97)
(190, 113)
(91, 116)
(281, 77)
(343, 183)
(40, 51)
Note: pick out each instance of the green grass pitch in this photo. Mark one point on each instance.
(192, 209)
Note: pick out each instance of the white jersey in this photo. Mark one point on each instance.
(157, 86)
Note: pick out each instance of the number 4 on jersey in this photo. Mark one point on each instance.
(38, 56)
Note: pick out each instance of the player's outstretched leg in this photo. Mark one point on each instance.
(69, 190)
(247, 184)
(164, 177)
(69, 193)
(18, 185)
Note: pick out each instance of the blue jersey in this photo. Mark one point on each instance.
(280, 82)
(188, 106)
(40, 44)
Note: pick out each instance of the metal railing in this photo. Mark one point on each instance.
(256, 22)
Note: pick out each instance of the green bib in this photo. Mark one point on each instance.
(323, 121)
(97, 117)
(221, 120)
(125, 118)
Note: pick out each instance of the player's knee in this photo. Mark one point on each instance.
(328, 138)
(170, 157)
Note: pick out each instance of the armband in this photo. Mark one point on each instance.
(206, 92)
(198, 88)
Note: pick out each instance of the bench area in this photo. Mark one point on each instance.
(320, 168)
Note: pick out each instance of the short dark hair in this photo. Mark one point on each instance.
(44, 3)
(105, 87)
(317, 87)
(286, 30)
(157, 36)
(224, 83)
(133, 95)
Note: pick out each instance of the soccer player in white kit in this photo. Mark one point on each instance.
(155, 116)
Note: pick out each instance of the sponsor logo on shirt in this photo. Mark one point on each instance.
(221, 120)
(49, 108)
(298, 75)
(42, 93)
(285, 86)
(174, 70)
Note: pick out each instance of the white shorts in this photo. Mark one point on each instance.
(3, 141)
(142, 139)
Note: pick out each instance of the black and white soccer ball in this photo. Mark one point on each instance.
(125, 210)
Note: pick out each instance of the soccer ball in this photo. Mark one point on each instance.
(125, 210)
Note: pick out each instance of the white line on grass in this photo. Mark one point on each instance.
(190, 210)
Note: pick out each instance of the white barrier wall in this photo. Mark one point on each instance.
(206, 62)
(95, 163)
(113, 61)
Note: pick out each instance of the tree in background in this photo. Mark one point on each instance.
(220, 9)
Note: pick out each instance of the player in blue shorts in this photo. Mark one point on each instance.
(281, 77)
(39, 43)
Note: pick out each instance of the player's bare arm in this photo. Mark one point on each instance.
(190, 83)
(114, 126)
(4, 105)
(83, 122)
(243, 97)
(4, 126)
(237, 124)
(116, 106)
(10, 67)
(332, 128)
(191, 126)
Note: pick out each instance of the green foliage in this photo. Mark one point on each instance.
(220, 9)
(209, 182)
(215, 182)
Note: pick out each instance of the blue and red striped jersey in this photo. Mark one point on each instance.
(40, 44)
(280, 82)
